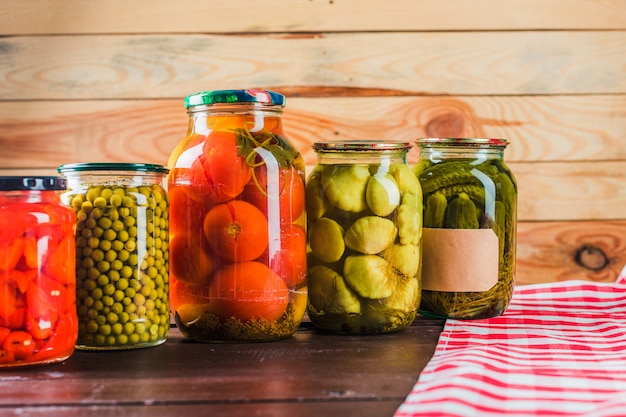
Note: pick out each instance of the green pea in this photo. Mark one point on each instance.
(109, 289)
(96, 212)
(112, 318)
(124, 317)
(110, 255)
(116, 200)
(97, 293)
(93, 242)
(93, 193)
(106, 193)
(92, 326)
(97, 305)
(117, 226)
(105, 222)
(97, 255)
(117, 307)
(105, 329)
(113, 274)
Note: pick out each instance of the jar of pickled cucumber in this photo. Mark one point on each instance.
(37, 276)
(470, 217)
(364, 209)
(122, 253)
(238, 224)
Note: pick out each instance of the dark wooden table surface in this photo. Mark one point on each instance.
(309, 374)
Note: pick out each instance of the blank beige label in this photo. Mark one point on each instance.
(459, 260)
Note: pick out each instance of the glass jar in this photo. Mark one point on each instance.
(238, 225)
(37, 277)
(122, 253)
(470, 221)
(364, 209)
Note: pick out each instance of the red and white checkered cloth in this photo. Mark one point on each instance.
(558, 350)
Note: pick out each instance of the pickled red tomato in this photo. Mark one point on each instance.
(236, 231)
(288, 259)
(247, 291)
(289, 193)
(218, 173)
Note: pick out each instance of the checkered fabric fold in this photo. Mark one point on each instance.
(558, 350)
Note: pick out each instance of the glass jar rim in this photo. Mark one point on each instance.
(206, 98)
(112, 166)
(35, 183)
(474, 142)
(361, 145)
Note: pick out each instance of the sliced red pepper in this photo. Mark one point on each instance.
(59, 225)
(10, 253)
(41, 327)
(14, 221)
(12, 306)
(61, 343)
(20, 344)
(4, 332)
(31, 252)
(19, 278)
(47, 299)
(61, 262)
(6, 358)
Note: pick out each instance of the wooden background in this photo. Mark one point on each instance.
(84, 80)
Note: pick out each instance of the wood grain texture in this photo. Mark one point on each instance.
(187, 16)
(311, 369)
(425, 63)
(42, 134)
(92, 81)
(558, 251)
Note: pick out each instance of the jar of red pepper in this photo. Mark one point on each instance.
(38, 322)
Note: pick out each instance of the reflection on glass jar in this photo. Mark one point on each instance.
(238, 224)
(470, 217)
(38, 322)
(122, 253)
(364, 243)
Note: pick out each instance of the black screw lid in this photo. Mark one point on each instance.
(44, 183)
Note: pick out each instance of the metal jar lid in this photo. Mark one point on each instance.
(35, 183)
(206, 98)
(111, 166)
(471, 142)
(361, 145)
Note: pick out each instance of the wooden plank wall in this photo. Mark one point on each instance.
(104, 81)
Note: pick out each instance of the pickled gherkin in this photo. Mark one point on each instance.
(364, 215)
(467, 187)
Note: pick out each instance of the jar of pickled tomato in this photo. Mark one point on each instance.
(38, 322)
(364, 210)
(470, 223)
(238, 223)
(122, 259)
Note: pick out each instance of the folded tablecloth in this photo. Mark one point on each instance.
(558, 350)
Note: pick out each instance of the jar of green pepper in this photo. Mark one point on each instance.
(469, 235)
(122, 253)
(364, 211)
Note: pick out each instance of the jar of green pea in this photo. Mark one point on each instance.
(122, 253)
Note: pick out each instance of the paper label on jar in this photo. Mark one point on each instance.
(459, 260)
